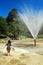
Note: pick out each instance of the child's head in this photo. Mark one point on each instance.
(9, 41)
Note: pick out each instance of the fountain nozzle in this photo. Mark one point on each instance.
(34, 42)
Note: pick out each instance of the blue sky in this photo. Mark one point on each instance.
(7, 5)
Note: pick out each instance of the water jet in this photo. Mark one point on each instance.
(33, 20)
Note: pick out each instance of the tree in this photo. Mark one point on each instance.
(14, 23)
(12, 14)
(3, 26)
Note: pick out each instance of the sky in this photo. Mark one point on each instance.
(7, 5)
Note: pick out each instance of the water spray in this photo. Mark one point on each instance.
(33, 20)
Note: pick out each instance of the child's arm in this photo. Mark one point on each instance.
(13, 48)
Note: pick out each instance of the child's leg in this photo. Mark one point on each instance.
(8, 52)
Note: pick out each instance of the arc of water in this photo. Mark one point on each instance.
(33, 20)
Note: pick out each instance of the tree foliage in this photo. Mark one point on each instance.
(13, 20)
(12, 14)
(3, 26)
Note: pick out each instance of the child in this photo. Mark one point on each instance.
(8, 47)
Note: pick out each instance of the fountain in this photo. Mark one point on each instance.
(33, 20)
